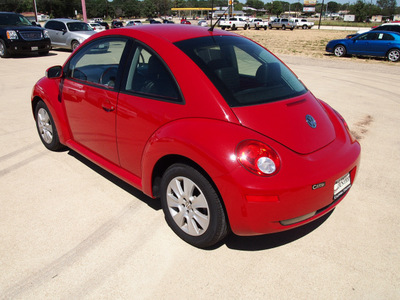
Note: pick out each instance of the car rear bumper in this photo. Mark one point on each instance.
(298, 195)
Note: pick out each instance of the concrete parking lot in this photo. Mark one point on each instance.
(69, 230)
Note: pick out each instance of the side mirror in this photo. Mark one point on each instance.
(54, 72)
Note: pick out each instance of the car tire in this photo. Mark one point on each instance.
(283, 27)
(233, 27)
(393, 55)
(270, 27)
(265, 27)
(340, 51)
(3, 50)
(245, 27)
(74, 45)
(305, 27)
(46, 127)
(192, 206)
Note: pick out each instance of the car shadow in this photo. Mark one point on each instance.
(232, 241)
(153, 203)
(29, 55)
(273, 240)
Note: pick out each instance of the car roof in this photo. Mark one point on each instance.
(65, 20)
(173, 32)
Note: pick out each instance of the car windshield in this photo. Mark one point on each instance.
(14, 20)
(243, 72)
(79, 26)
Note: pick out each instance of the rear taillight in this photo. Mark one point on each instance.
(352, 138)
(258, 158)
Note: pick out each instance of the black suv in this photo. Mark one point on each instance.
(18, 36)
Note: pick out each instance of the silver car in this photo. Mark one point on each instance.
(68, 33)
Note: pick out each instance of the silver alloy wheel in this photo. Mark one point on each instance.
(188, 206)
(2, 50)
(45, 126)
(394, 55)
(339, 50)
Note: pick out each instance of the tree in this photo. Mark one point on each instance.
(388, 7)
(359, 10)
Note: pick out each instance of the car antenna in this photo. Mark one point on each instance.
(212, 9)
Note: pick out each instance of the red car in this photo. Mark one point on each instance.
(208, 121)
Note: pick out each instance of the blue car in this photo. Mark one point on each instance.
(371, 43)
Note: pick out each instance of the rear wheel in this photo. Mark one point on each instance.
(340, 51)
(233, 27)
(393, 55)
(192, 207)
(283, 27)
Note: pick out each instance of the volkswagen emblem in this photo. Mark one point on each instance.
(311, 121)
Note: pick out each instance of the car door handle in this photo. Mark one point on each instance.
(107, 106)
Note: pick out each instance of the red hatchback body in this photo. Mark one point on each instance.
(210, 122)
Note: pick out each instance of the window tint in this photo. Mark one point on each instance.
(55, 25)
(98, 63)
(242, 71)
(149, 76)
(79, 26)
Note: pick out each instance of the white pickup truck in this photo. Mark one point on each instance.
(233, 23)
(303, 23)
(258, 23)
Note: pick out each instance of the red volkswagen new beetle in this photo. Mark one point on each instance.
(208, 121)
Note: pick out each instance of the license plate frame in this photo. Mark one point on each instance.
(34, 48)
(342, 185)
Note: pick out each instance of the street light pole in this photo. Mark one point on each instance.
(320, 14)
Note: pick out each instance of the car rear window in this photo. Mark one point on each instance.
(243, 72)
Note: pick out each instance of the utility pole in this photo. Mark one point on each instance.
(84, 11)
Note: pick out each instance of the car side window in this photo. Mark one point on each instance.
(385, 37)
(98, 62)
(148, 76)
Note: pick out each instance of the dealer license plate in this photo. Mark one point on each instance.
(342, 185)
(34, 48)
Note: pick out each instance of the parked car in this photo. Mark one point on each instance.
(233, 23)
(372, 43)
(152, 21)
(19, 36)
(96, 26)
(68, 33)
(134, 23)
(209, 153)
(184, 21)
(283, 23)
(166, 21)
(202, 23)
(116, 24)
(303, 23)
(384, 27)
(258, 23)
(105, 24)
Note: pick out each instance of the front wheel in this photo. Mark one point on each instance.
(192, 207)
(46, 128)
(74, 45)
(3, 49)
(305, 27)
(339, 51)
(283, 27)
(393, 55)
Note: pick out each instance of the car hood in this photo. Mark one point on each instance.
(21, 28)
(286, 123)
(83, 34)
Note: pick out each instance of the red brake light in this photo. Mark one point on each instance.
(258, 158)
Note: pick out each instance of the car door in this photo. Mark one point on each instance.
(56, 32)
(149, 98)
(381, 44)
(362, 44)
(90, 94)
